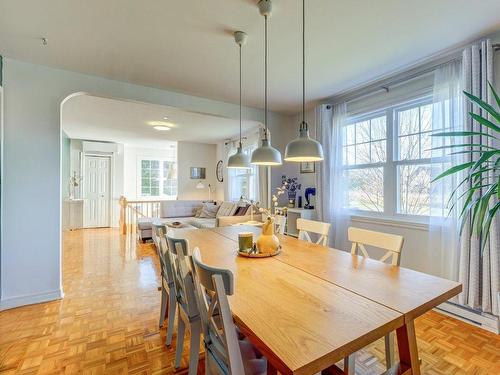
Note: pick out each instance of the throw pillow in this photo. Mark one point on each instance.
(241, 211)
(209, 211)
(197, 211)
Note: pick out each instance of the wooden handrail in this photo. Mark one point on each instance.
(132, 210)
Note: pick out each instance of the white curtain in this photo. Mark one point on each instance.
(479, 272)
(443, 248)
(331, 187)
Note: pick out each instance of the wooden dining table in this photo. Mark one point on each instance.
(311, 306)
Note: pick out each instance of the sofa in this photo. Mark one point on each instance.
(188, 213)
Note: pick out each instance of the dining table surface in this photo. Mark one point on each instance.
(311, 306)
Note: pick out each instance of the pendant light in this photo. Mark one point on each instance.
(240, 159)
(303, 148)
(265, 154)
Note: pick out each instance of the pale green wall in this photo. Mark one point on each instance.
(65, 165)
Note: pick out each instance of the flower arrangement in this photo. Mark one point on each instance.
(291, 186)
(74, 182)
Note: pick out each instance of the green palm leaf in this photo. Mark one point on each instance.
(479, 189)
(485, 122)
(455, 169)
(488, 108)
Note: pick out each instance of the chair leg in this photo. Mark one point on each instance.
(163, 307)
(172, 309)
(181, 328)
(389, 350)
(350, 364)
(194, 347)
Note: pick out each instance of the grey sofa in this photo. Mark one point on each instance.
(184, 211)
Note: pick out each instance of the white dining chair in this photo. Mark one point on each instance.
(189, 316)
(393, 245)
(168, 304)
(306, 226)
(227, 351)
(279, 224)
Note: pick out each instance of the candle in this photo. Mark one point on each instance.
(245, 241)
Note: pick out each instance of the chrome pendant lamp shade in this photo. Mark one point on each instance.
(240, 159)
(266, 154)
(303, 148)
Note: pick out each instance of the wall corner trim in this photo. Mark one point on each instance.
(12, 302)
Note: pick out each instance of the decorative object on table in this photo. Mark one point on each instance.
(303, 148)
(268, 242)
(291, 186)
(175, 224)
(74, 182)
(307, 167)
(478, 189)
(198, 173)
(310, 192)
(219, 171)
(201, 185)
(239, 159)
(245, 242)
(265, 154)
(243, 202)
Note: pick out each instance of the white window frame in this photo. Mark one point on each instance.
(391, 183)
(139, 178)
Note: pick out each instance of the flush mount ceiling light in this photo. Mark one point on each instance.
(161, 128)
(303, 148)
(240, 159)
(265, 154)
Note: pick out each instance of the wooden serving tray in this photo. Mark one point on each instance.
(259, 255)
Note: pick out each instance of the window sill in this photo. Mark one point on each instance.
(391, 221)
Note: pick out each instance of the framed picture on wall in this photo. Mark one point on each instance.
(307, 167)
(198, 173)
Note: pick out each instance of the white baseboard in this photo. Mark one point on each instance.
(31, 299)
(485, 321)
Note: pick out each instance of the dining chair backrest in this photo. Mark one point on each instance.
(221, 340)
(393, 243)
(280, 223)
(306, 226)
(158, 230)
(160, 239)
(183, 277)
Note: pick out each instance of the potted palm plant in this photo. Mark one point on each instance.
(478, 189)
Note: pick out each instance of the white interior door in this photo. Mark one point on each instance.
(96, 192)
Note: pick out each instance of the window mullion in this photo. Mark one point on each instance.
(390, 176)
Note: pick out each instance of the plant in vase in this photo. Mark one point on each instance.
(268, 242)
(291, 186)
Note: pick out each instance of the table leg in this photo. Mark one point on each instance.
(271, 370)
(407, 345)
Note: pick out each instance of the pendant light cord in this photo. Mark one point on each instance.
(303, 65)
(240, 95)
(265, 77)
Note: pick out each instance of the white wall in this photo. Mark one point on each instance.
(196, 155)
(30, 268)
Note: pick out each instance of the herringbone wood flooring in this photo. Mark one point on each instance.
(108, 322)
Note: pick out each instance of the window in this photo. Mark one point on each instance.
(158, 178)
(244, 182)
(364, 154)
(387, 159)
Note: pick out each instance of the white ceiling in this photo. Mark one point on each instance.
(187, 45)
(131, 123)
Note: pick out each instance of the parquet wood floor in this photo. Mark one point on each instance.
(107, 322)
